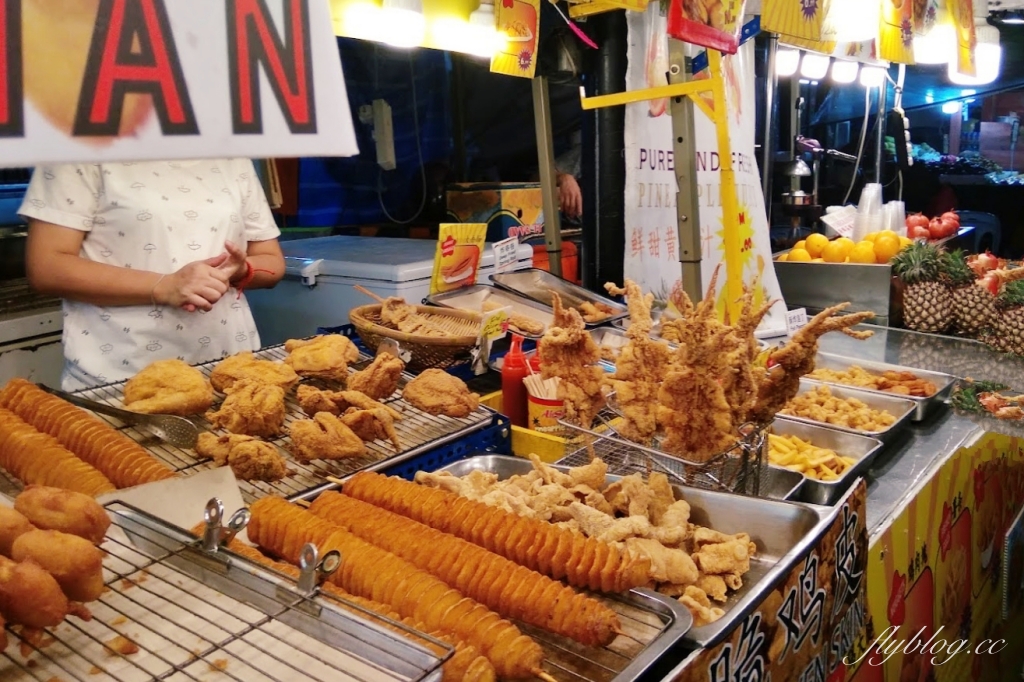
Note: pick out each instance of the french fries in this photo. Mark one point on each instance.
(820, 464)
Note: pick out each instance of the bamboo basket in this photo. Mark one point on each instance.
(427, 351)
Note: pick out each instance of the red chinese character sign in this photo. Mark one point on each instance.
(104, 80)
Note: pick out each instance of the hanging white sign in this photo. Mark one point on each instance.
(106, 80)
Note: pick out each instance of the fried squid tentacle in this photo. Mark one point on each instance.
(567, 351)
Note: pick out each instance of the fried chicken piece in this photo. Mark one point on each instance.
(313, 400)
(438, 393)
(398, 314)
(371, 425)
(605, 528)
(740, 380)
(595, 312)
(13, 525)
(664, 496)
(30, 596)
(567, 351)
(321, 357)
(249, 458)
(252, 409)
(591, 475)
(696, 600)
(245, 365)
(780, 384)
(324, 437)
(168, 387)
(714, 587)
(74, 562)
(380, 378)
(63, 510)
(720, 554)
(667, 565)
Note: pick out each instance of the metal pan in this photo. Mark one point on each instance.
(899, 407)
(783, 532)
(923, 406)
(472, 299)
(861, 448)
(538, 285)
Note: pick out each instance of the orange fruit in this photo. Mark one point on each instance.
(799, 256)
(863, 253)
(870, 237)
(802, 244)
(816, 244)
(783, 258)
(886, 246)
(834, 253)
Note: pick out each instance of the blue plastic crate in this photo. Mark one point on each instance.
(495, 439)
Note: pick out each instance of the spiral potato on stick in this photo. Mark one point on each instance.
(551, 550)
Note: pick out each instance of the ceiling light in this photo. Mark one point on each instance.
(844, 72)
(814, 66)
(988, 58)
(872, 76)
(951, 108)
(854, 21)
(362, 20)
(477, 37)
(787, 62)
(939, 45)
(403, 23)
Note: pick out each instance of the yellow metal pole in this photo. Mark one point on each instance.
(632, 96)
(730, 210)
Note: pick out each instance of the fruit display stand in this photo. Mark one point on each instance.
(942, 549)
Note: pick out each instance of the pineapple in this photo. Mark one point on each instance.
(1008, 333)
(974, 307)
(927, 302)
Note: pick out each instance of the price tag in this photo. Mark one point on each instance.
(841, 221)
(506, 254)
(795, 319)
(495, 324)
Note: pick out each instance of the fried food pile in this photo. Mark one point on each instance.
(321, 357)
(49, 561)
(568, 352)
(168, 387)
(249, 458)
(245, 365)
(642, 520)
(890, 381)
(251, 408)
(324, 437)
(79, 452)
(795, 454)
(820, 405)
(593, 313)
(438, 393)
(380, 378)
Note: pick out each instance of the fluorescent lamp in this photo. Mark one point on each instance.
(872, 76)
(855, 21)
(988, 58)
(787, 62)
(814, 66)
(477, 37)
(844, 72)
(403, 23)
(362, 20)
(951, 108)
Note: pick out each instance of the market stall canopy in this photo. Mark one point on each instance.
(127, 80)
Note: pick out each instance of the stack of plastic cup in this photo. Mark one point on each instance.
(896, 217)
(870, 212)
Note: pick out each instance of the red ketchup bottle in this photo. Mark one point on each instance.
(513, 390)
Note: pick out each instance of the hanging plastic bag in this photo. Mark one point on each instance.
(711, 23)
(656, 66)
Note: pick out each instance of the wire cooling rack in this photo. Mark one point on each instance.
(171, 611)
(418, 432)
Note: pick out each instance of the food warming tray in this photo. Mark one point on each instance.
(538, 285)
(197, 616)
(472, 299)
(922, 406)
(783, 532)
(897, 406)
(864, 449)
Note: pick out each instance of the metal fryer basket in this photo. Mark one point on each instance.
(197, 616)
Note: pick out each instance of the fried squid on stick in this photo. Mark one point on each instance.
(568, 352)
(554, 551)
(373, 573)
(499, 584)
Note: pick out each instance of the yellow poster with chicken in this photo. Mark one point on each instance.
(519, 20)
(459, 250)
(800, 19)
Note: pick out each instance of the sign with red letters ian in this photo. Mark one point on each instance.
(125, 80)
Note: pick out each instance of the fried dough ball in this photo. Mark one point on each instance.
(13, 524)
(75, 563)
(63, 510)
(30, 596)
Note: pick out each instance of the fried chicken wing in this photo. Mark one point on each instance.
(30, 596)
(13, 525)
(568, 352)
(371, 425)
(245, 365)
(249, 458)
(438, 393)
(324, 437)
(313, 400)
(74, 562)
(64, 510)
(322, 357)
(252, 409)
(380, 378)
(168, 387)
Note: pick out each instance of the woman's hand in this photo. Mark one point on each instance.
(570, 198)
(197, 286)
(235, 265)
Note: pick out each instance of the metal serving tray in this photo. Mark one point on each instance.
(472, 299)
(897, 406)
(861, 448)
(538, 285)
(923, 406)
(782, 531)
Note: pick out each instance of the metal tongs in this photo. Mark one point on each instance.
(216, 535)
(177, 431)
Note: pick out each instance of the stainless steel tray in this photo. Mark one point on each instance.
(783, 532)
(472, 299)
(899, 407)
(864, 449)
(923, 406)
(538, 285)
